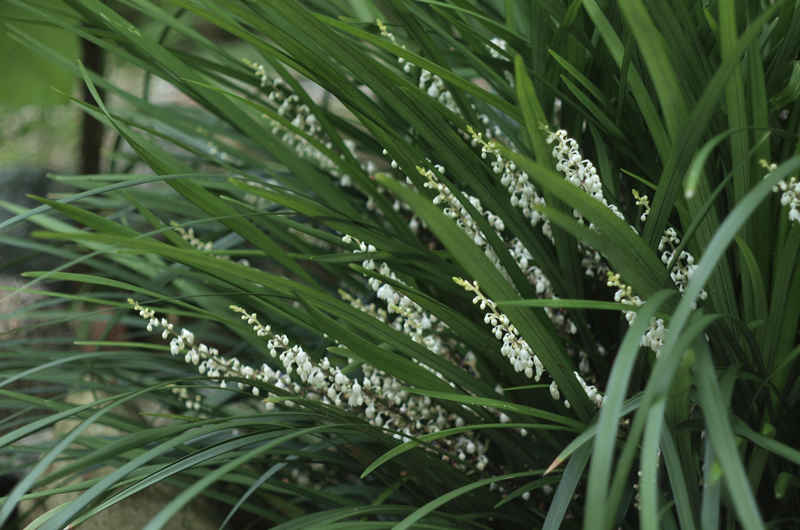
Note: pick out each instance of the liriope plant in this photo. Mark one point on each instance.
(409, 264)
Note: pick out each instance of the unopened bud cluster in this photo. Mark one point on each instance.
(453, 209)
(523, 193)
(790, 192)
(578, 170)
(684, 267)
(214, 151)
(191, 238)
(642, 200)
(591, 391)
(372, 309)
(503, 45)
(431, 84)
(411, 319)
(191, 403)
(656, 332)
(544, 289)
(515, 348)
(407, 66)
(290, 107)
(207, 246)
(682, 271)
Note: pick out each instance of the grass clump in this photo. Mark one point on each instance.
(468, 263)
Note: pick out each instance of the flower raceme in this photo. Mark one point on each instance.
(515, 348)
(377, 397)
(790, 192)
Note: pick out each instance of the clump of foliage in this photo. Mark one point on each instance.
(521, 264)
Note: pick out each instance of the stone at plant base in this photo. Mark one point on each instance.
(132, 513)
(14, 332)
(136, 511)
(20, 334)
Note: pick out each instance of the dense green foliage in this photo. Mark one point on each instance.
(408, 256)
